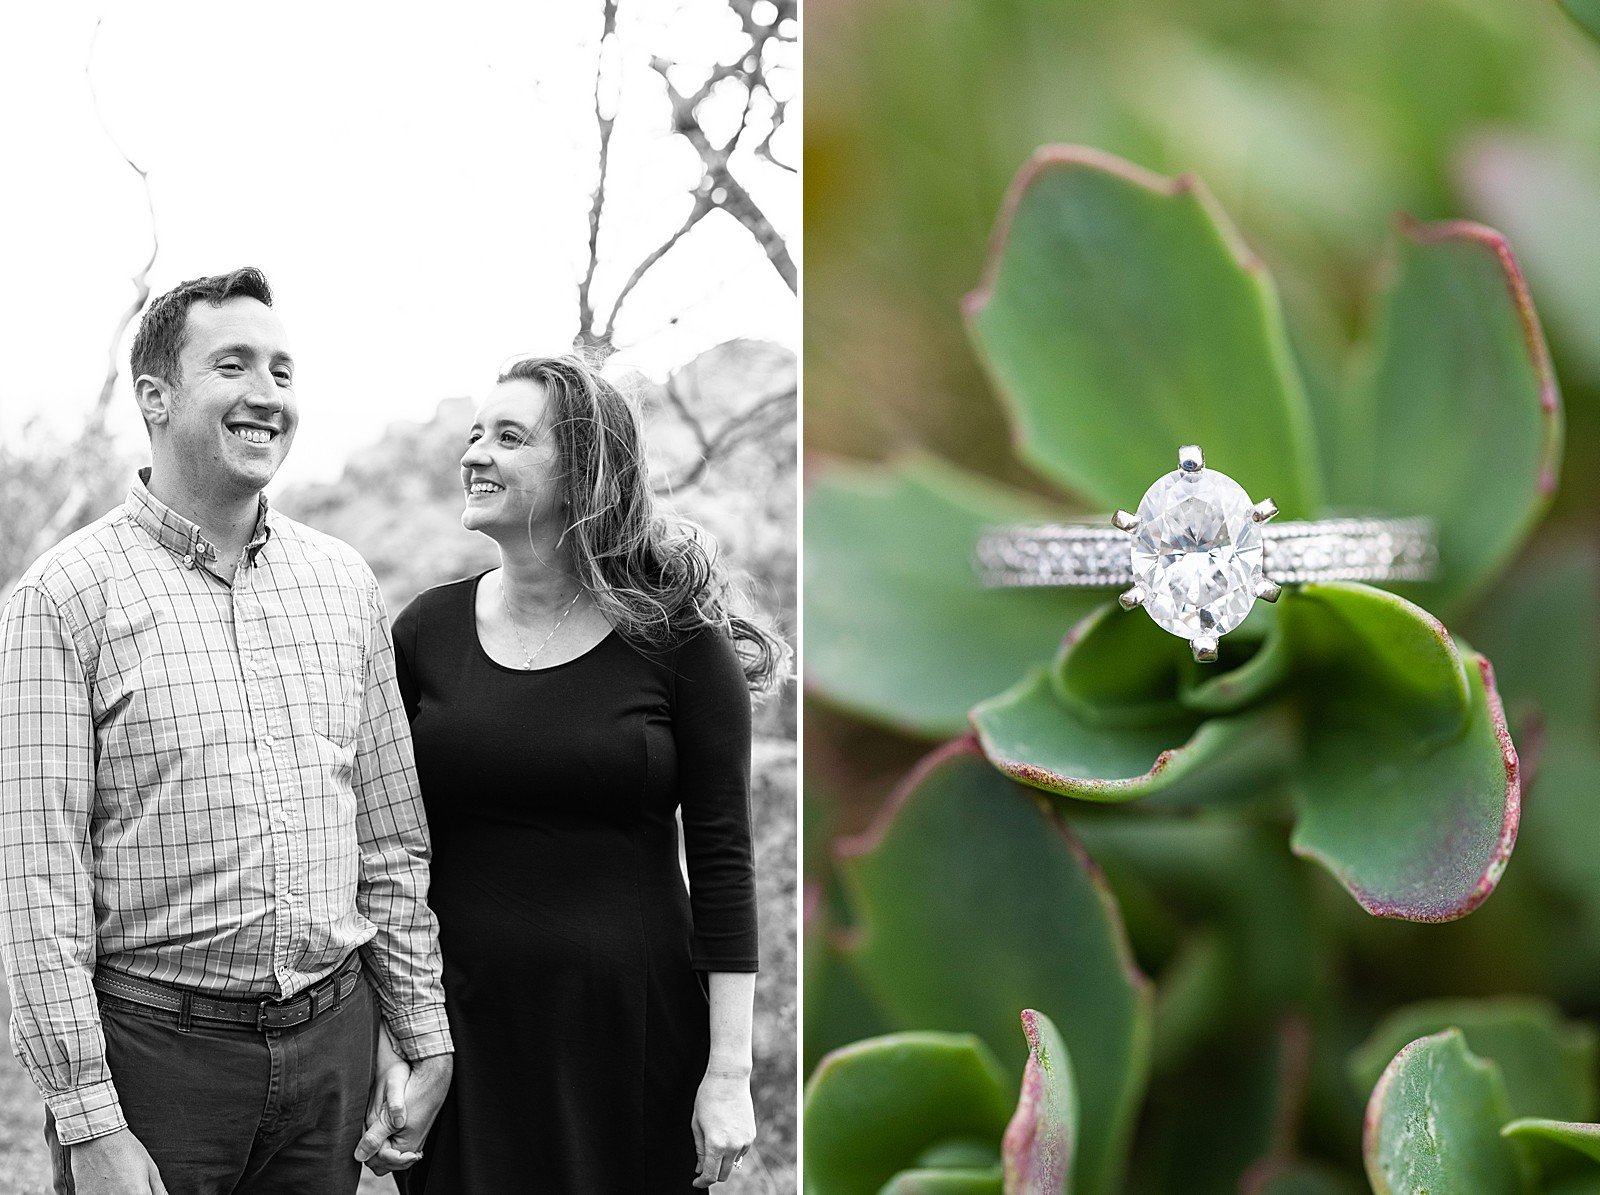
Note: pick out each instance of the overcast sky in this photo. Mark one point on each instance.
(417, 192)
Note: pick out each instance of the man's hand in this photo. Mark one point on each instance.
(115, 1164)
(401, 1112)
(386, 1112)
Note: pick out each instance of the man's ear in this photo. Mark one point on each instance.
(154, 397)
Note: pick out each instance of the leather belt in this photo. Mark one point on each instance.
(321, 997)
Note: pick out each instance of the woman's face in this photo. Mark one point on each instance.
(510, 468)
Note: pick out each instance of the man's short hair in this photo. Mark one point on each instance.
(160, 337)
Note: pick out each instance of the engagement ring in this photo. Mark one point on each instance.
(1201, 553)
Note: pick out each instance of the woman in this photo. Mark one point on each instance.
(563, 707)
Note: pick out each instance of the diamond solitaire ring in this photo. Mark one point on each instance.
(1201, 553)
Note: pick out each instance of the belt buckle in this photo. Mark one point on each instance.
(265, 1020)
(308, 1001)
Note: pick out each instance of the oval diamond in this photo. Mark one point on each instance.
(1197, 553)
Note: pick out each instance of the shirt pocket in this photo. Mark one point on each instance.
(335, 682)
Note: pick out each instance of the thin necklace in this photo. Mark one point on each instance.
(529, 657)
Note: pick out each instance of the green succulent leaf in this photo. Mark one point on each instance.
(1105, 723)
(1543, 196)
(1234, 1110)
(1410, 787)
(1110, 289)
(1377, 659)
(1433, 1124)
(1118, 668)
(1458, 364)
(1038, 1145)
(1033, 735)
(1577, 1184)
(1254, 947)
(1547, 1063)
(1193, 995)
(944, 1182)
(876, 1107)
(1586, 14)
(1253, 661)
(1581, 1138)
(1298, 1179)
(973, 902)
(1539, 627)
(838, 1011)
(898, 629)
(962, 1153)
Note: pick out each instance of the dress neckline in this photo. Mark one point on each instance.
(483, 652)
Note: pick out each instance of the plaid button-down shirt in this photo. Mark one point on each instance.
(202, 782)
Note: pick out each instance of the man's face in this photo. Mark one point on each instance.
(232, 412)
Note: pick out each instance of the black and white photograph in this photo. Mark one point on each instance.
(398, 589)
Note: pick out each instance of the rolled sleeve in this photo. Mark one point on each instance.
(393, 892)
(47, 765)
(86, 1112)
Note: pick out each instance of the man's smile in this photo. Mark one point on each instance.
(253, 433)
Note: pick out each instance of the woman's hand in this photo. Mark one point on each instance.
(386, 1112)
(724, 1124)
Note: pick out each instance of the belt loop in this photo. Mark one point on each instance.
(185, 1010)
(338, 991)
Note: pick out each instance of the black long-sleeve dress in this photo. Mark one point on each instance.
(572, 951)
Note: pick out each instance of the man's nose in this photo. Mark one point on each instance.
(263, 393)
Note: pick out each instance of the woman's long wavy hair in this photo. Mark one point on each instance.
(655, 576)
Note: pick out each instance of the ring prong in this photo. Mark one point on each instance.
(1133, 597)
(1263, 510)
(1268, 591)
(1190, 458)
(1205, 648)
(1123, 521)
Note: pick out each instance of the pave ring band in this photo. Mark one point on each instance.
(1198, 554)
(1088, 556)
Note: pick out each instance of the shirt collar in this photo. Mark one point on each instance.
(177, 534)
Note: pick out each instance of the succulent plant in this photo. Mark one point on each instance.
(1491, 1097)
(1108, 807)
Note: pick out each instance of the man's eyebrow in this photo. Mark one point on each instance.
(247, 350)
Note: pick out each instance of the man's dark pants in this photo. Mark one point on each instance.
(241, 1110)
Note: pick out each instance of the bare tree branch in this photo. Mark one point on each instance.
(764, 150)
(681, 408)
(724, 190)
(141, 280)
(586, 336)
(70, 511)
(737, 203)
(750, 424)
(702, 206)
(754, 423)
(717, 188)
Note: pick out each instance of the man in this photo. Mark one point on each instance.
(212, 852)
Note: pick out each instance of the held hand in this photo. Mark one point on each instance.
(423, 1096)
(115, 1164)
(386, 1113)
(724, 1124)
(430, 1082)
